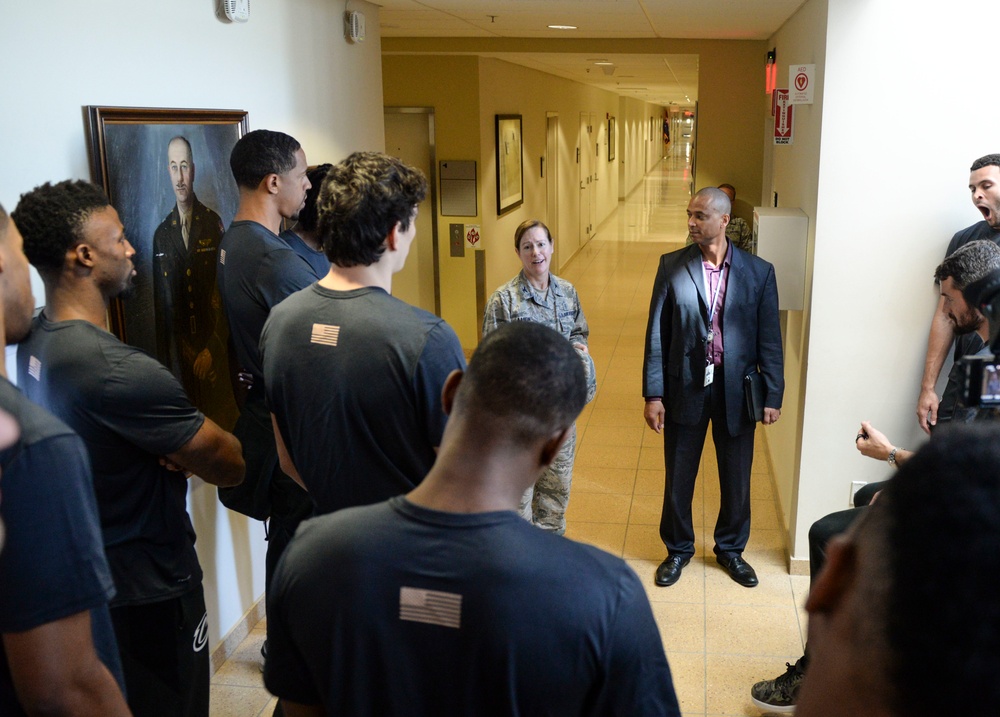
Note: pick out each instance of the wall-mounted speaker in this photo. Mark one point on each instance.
(235, 10)
(354, 26)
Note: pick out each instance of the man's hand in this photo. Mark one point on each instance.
(771, 415)
(654, 414)
(872, 442)
(927, 408)
(203, 364)
(582, 348)
(173, 467)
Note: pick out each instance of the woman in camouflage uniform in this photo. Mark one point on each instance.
(537, 295)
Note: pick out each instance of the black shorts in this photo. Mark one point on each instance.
(164, 651)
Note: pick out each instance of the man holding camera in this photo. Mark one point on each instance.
(984, 184)
(974, 261)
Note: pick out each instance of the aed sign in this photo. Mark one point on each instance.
(801, 80)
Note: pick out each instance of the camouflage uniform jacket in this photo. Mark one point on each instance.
(559, 309)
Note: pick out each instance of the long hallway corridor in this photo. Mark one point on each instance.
(720, 637)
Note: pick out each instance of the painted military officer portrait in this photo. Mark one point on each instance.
(191, 335)
(167, 174)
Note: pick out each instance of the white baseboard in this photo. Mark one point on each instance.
(229, 644)
(798, 566)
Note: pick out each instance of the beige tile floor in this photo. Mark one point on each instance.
(719, 637)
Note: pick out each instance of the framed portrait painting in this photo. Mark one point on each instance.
(166, 172)
(510, 177)
(612, 139)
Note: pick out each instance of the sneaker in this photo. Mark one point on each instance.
(780, 694)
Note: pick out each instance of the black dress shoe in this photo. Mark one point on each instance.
(739, 570)
(669, 571)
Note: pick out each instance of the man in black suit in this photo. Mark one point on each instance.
(713, 320)
(190, 330)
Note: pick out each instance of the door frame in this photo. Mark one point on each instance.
(432, 192)
(552, 178)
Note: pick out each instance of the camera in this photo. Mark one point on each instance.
(981, 382)
(981, 372)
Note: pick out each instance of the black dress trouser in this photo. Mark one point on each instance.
(682, 448)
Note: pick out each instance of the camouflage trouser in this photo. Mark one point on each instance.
(544, 504)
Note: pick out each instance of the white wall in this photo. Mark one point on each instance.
(792, 171)
(290, 67)
(904, 115)
(637, 151)
(512, 89)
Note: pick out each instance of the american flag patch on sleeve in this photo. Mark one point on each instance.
(222, 256)
(325, 334)
(430, 606)
(35, 368)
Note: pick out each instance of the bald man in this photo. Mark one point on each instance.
(713, 325)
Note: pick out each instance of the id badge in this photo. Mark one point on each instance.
(709, 374)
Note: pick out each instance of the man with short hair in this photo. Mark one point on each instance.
(444, 601)
(984, 184)
(190, 331)
(713, 326)
(257, 270)
(354, 375)
(888, 637)
(142, 433)
(970, 263)
(304, 237)
(57, 646)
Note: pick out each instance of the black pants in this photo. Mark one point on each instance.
(290, 505)
(164, 651)
(825, 529)
(277, 495)
(682, 447)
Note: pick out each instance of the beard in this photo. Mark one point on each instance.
(128, 288)
(967, 323)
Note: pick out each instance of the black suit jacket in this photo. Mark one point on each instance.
(674, 364)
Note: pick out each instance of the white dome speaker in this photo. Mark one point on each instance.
(354, 26)
(236, 10)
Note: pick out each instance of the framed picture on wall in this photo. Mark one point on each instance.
(612, 139)
(510, 176)
(166, 172)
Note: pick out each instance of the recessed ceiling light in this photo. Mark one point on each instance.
(562, 27)
(604, 62)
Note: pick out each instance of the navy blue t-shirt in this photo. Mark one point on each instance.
(394, 609)
(316, 259)
(354, 380)
(257, 270)
(979, 230)
(52, 565)
(130, 411)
